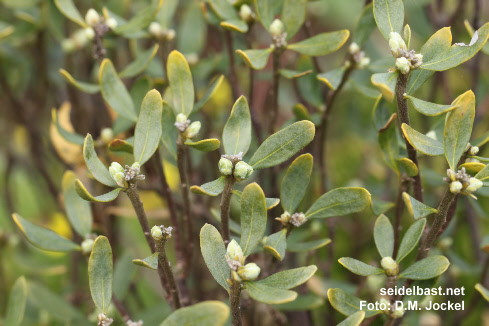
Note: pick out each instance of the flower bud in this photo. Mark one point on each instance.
(106, 135)
(249, 272)
(225, 166)
(390, 266)
(181, 118)
(473, 150)
(364, 62)
(474, 184)
(120, 179)
(297, 219)
(155, 29)
(136, 167)
(403, 65)
(90, 33)
(451, 175)
(277, 27)
(397, 44)
(192, 58)
(354, 48)
(284, 218)
(170, 34)
(111, 23)
(92, 17)
(234, 255)
(192, 130)
(242, 170)
(245, 13)
(156, 233)
(384, 301)
(68, 45)
(455, 187)
(86, 246)
(398, 313)
(115, 168)
(417, 60)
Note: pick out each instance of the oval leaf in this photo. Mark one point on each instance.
(78, 210)
(169, 133)
(204, 145)
(321, 44)
(411, 239)
(293, 16)
(83, 193)
(207, 313)
(268, 294)
(276, 244)
(236, 136)
(354, 320)
(428, 108)
(386, 83)
(143, 18)
(359, 268)
(208, 94)
(389, 15)
(121, 146)
(67, 8)
(16, 303)
(212, 188)
(82, 86)
(332, 78)
(290, 278)
(340, 201)
(416, 208)
(347, 304)
(295, 182)
(181, 83)
(307, 246)
(140, 63)
(150, 262)
(256, 59)
(384, 236)
(422, 143)
(72, 137)
(270, 202)
(98, 169)
(253, 217)
(426, 268)
(100, 273)
(214, 252)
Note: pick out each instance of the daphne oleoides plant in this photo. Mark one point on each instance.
(164, 226)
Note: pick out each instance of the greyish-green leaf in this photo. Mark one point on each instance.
(142, 19)
(212, 188)
(365, 26)
(16, 303)
(426, 268)
(100, 273)
(270, 202)
(207, 313)
(389, 15)
(354, 320)
(236, 136)
(384, 236)
(359, 268)
(214, 252)
(410, 239)
(85, 87)
(416, 208)
(253, 217)
(289, 279)
(332, 78)
(256, 59)
(321, 44)
(94, 165)
(340, 201)
(268, 294)
(140, 63)
(204, 145)
(276, 244)
(83, 193)
(293, 16)
(347, 304)
(181, 83)
(78, 210)
(422, 143)
(295, 182)
(67, 8)
(150, 262)
(428, 108)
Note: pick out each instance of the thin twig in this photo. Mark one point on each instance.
(165, 264)
(274, 90)
(186, 196)
(403, 187)
(234, 302)
(233, 77)
(226, 207)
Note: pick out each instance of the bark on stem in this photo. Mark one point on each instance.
(403, 187)
(402, 111)
(165, 264)
(186, 196)
(233, 77)
(226, 207)
(234, 302)
(274, 90)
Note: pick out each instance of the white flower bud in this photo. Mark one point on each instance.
(397, 44)
(384, 301)
(249, 272)
(284, 218)
(245, 13)
(68, 45)
(120, 179)
(192, 130)
(474, 184)
(156, 233)
(155, 29)
(106, 135)
(277, 27)
(115, 168)
(398, 313)
(242, 170)
(192, 58)
(92, 17)
(417, 60)
(297, 219)
(170, 34)
(354, 48)
(136, 166)
(451, 175)
(364, 62)
(86, 246)
(80, 38)
(455, 187)
(234, 255)
(225, 166)
(181, 118)
(390, 266)
(474, 150)
(90, 33)
(111, 23)
(403, 65)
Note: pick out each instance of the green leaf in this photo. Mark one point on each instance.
(208, 94)
(422, 143)
(214, 252)
(142, 19)
(236, 136)
(302, 303)
(292, 74)
(472, 167)
(458, 128)
(321, 44)
(426, 268)
(280, 146)
(389, 15)
(235, 25)
(83, 193)
(386, 83)
(43, 238)
(416, 208)
(359, 268)
(204, 145)
(114, 91)
(483, 175)
(307, 246)
(347, 304)
(148, 128)
(140, 63)
(253, 217)
(265, 11)
(78, 210)
(437, 44)
(212, 188)
(340, 201)
(407, 35)
(100, 273)
(293, 16)
(483, 291)
(268, 294)
(354, 320)
(207, 313)
(88, 88)
(67, 8)
(428, 108)
(411, 239)
(169, 133)
(16, 303)
(295, 182)
(407, 166)
(270, 202)
(192, 29)
(470, 29)
(121, 146)
(150, 262)
(457, 54)
(72, 137)
(389, 144)
(96, 167)
(224, 9)
(332, 78)
(256, 59)
(289, 279)
(301, 112)
(276, 244)
(365, 26)
(384, 236)
(181, 83)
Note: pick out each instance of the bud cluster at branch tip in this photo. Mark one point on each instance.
(159, 33)
(232, 165)
(296, 219)
(103, 320)
(187, 129)
(390, 266)
(461, 182)
(405, 60)
(359, 58)
(86, 246)
(246, 14)
(236, 261)
(161, 233)
(279, 36)
(124, 176)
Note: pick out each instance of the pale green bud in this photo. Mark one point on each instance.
(451, 175)
(277, 27)
(111, 23)
(90, 33)
(92, 17)
(284, 218)
(115, 168)
(398, 313)
(474, 150)
(385, 302)
(80, 38)
(455, 187)
(136, 166)
(364, 62)
(354, 48)
(120, 179)
(181, 118)
(245, 13)
(474, 184)
(417, 60)
(225, 166)
(155, 29)
(396, 43)
(403, 65)
(249, 272)
(170, 34)
(192, 58)
(86, 246)
(193, 129)
(68, 45)
(234, 255)
(106, 135)
(390, 266)
(156, 233)
(242, 170)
